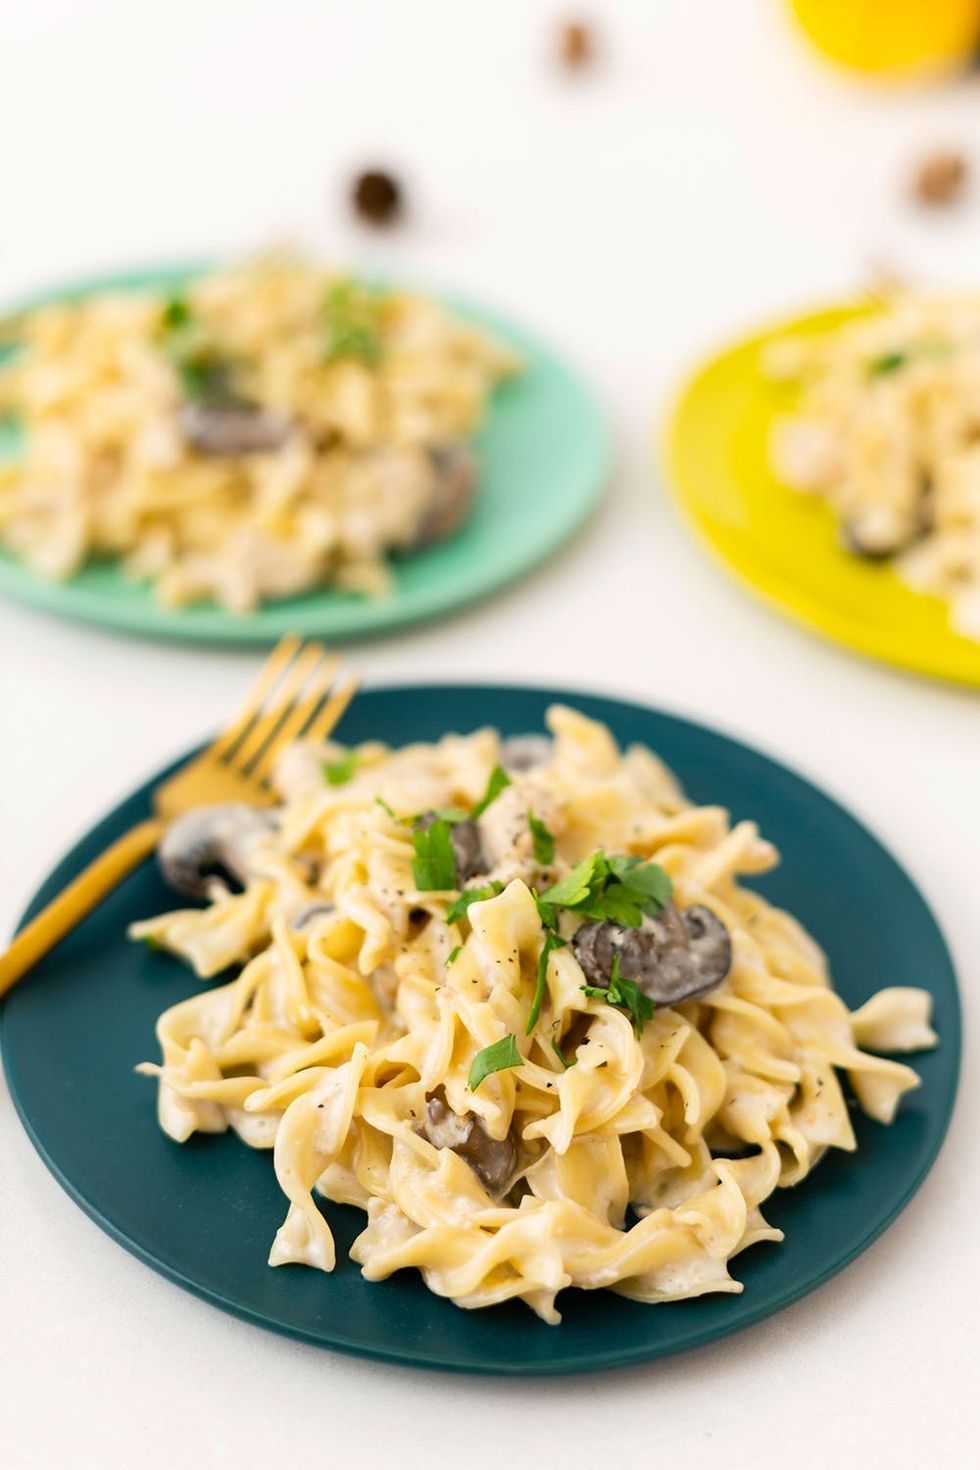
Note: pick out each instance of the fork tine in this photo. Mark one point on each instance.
(296, 716)
(271, 716)
(269, 674)
(322, 717)
(330, 715)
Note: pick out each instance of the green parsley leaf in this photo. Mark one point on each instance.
(650, 879)
(380, 801)
(353, 323)
(453, 954)
(547, 912)
(565, 1061)
(622, 889)
(176, 313)
(618, 904)
(626, 994)
(434, 864)
(338, 773)
(460, 906)
(888, 362)
(498, 781)
(207, 378)
(542, 840)
(552, 941)
(205, 374)
(451, 814)
(494, 1058)
(575, 889)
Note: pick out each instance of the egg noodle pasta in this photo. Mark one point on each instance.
(587, 1059)
(886, 430)
(268, 428)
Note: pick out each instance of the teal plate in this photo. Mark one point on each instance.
(204, 1213)
(544, 457)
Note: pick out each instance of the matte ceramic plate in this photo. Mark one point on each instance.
(204, 1213)
(543, 456)
(783, 544)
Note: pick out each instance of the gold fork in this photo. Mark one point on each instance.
(302, 690)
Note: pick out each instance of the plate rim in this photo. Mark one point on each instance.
(368, 617)
(750, 1312)
(870, 641)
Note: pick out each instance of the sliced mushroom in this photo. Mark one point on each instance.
(212, 842)
(310, 911)
(234, 427)
(493, 1160)
(524, 752)
(467, 846)
(880, 531)
(673, 956)
(854, 541)
(454, 475)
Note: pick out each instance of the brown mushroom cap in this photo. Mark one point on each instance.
(454, 476)
(212, 842)
(524, 752)
(493, 1160)
(235, 427)
(673, 956)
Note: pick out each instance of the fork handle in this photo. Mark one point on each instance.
(78, 899)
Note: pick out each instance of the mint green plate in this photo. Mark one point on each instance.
(204, 1213)
(544, 456)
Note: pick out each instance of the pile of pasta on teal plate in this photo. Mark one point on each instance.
(509, 997)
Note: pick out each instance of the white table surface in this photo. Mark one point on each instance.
(711, 172)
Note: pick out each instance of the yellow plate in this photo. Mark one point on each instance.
(782, 543)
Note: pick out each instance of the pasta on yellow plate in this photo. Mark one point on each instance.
(886, 431)
(510, 998)
(269, 429)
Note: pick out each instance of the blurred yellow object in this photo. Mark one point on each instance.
(898, 38)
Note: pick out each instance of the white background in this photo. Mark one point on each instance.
(712, 171)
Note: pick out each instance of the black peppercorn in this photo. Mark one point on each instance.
(377, 197)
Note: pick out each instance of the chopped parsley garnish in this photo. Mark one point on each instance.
(205, 374)
(626, 994)
(565, 1061)
(176, 313)
(339, 772)
(434, 863)
(498, 781)
(451, 814)
(542, 840)
(622, 889)
(552, 941)
(353, 323)
(494, 1058)
(460, 906)
(888, 362)
(453, 954)
(380, 801)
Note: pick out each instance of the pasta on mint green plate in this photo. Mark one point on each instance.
(228, 453)
(510, 998)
